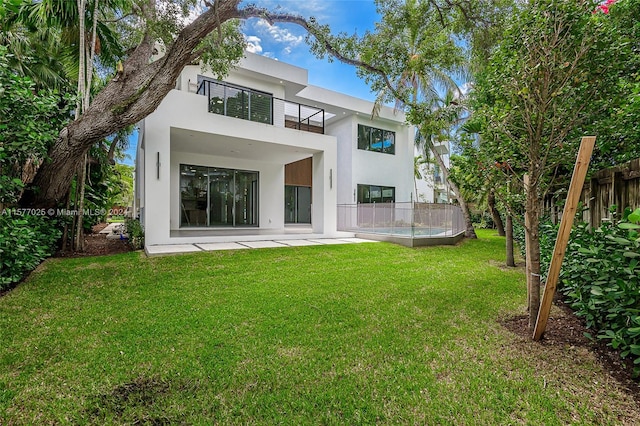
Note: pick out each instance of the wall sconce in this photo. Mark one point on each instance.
(158, 165)
(330, 178)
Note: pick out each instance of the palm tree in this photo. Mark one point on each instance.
(419, 161)
(420, 71)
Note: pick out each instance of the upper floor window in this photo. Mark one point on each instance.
(378, 140)
(237, 101)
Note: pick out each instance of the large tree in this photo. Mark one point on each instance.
(139, 83)
(553, 67)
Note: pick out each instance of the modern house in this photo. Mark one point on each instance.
(264, 153)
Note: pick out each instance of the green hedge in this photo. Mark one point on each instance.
(600, 279)
(24, 242)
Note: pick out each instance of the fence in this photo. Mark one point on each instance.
(617, 186)
(402, 219)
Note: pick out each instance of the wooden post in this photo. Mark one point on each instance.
(569, 212)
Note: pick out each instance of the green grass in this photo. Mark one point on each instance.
(347, 334)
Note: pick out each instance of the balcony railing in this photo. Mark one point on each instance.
(253, 105)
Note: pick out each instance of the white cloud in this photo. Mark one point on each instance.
(279, 34)
(253, 44)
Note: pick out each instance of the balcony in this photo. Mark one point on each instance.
(261, 107)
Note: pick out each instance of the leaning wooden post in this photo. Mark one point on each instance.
(568, 214)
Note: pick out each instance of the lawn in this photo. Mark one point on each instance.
(346, 334)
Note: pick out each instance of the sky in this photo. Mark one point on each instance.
(286, 43)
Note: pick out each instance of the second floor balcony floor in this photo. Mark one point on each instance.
(262, 107)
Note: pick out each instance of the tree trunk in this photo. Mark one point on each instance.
(532, 222)
(495, 214)
(78, 244)
(470, 232)
(127, 98)
(509, 241)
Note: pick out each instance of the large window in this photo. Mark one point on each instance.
(378, 140)
(237, 101)
(213, 196)
(376, 194)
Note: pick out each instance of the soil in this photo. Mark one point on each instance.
(96, 244)
(568, 330)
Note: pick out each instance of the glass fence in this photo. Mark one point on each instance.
(402, 219)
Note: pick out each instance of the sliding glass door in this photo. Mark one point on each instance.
(215, 197)
(297, 208)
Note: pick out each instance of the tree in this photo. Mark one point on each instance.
(139, 84)
(29, 122)
(419, 162)
(551, 68)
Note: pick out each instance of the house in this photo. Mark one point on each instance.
(263, 153)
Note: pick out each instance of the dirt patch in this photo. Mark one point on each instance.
(566, 330)
(96, 244)
(137, 402)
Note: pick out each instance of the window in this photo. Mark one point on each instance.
(237, 101)
(377, 140)
(376, 194)
(213, 196)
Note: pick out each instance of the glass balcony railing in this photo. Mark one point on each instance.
(247, 104)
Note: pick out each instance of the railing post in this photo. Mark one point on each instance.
(374, 215)
(208, 95)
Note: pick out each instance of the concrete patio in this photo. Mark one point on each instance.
(159, 250)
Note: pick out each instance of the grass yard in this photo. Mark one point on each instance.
(347, 334)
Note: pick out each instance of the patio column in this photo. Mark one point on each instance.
(324, 193)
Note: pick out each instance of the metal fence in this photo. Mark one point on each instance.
(408, 219)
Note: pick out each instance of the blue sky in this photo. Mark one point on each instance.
(286, 43)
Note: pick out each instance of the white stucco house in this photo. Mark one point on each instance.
(263, 153)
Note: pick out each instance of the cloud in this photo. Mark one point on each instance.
(278, 34)
(253, 44)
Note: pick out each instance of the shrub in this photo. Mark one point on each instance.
(600, 278)
(24, 242)
(601, 281)
(135, 230)
(482, 220)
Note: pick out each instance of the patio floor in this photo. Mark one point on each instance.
(158, 250)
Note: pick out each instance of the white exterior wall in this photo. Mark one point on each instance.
(184, 132)
(343, 131)
(375, 168)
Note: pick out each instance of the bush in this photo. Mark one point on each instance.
(482, 220)
(135, 230)
(601, 281)
(600, 278)
(24, 242)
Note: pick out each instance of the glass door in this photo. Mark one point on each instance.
(246, 198)
(221, 190)
(213, 196)
(297, 204)
(193, 195)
